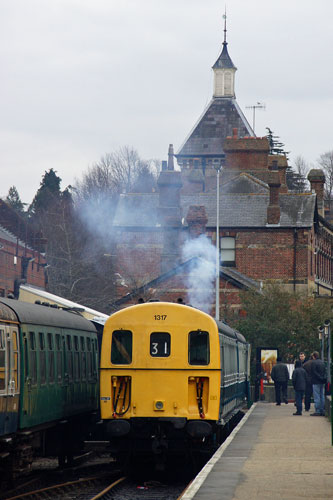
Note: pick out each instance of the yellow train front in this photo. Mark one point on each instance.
(171, 377)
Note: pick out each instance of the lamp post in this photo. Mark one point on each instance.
(327, 330)
(218, 167)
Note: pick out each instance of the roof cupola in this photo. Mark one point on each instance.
(224, 70)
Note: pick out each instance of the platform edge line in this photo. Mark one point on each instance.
(201, 476)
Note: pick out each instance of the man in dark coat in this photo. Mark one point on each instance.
(318, 377)
(299, 383)
(308, 388)
(280, 376)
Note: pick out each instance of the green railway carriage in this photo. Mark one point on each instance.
(48, 381)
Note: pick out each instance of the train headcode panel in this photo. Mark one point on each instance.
(169, 376)
(160, 344)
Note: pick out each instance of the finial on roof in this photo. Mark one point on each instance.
(225, 25)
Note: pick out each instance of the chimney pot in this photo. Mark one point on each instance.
(235, 133)
(170, 158)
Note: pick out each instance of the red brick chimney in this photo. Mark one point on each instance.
(316, 177)
(196, 219)
(245, 154)
(280, 163)
(169, 185)
(273, 209)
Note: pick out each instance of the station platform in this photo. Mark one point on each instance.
(271, 454)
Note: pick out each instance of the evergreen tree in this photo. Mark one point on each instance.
(48, 194)
(276, 147)
(13, 199)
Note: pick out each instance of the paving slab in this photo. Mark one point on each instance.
(273, 455)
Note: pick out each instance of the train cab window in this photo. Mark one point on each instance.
(51, 357)
(2, 362)
(33, 358)
(198, 348)
(121, 348)
(160, 344)
(42, 358)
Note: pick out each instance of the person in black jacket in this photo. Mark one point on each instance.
(319, 379)
(299, 383)
(280, 376)
(308, 389)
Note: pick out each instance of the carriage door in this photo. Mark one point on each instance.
(9, 378)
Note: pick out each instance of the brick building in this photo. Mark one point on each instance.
(266, 233)
(22, 259)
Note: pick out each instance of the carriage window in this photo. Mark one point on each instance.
(198, 348)
(51, 357)
(42, 358)
(69, 358)
(15, 367)
(121, 348)
(160, 344)
(2, 361)
(33, 358)
(59, 358)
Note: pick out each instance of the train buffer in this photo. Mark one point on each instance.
(271, 454)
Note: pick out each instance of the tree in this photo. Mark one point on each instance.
(13, 199)
(118, 172)
(48, 194)
(276, 147)
(278, 318)
(296, 175)
(326, 163)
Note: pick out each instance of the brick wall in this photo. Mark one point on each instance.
(11, 257)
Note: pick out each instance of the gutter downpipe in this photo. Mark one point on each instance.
(295, 257)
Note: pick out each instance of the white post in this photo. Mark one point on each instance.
(217, 270)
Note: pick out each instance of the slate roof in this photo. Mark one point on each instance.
(11, 238)
(250, 210)
(235, 277)
(236, 209)
(137, 210)
(224, 60)
(214, 125)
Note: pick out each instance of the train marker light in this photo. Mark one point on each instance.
(159, 405)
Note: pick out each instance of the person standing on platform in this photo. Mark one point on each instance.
(319, 379)
(280, 376)
(299, 383)
(308, 389)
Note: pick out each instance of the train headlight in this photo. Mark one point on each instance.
(159, 405)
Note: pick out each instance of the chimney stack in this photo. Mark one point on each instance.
(169, 184)
(316, 177)
(196, 219)
(273, 209)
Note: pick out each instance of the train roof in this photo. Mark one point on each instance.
(35, 314)
(230, 332)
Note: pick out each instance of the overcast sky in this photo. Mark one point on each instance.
(81, 78)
